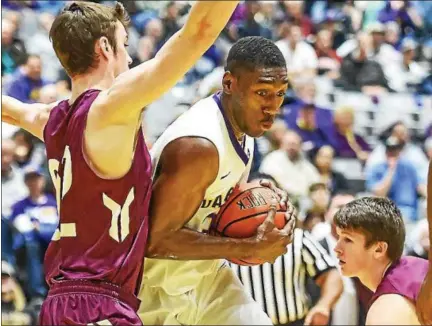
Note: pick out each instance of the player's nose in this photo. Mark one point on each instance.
(272, 110)
(337, 249)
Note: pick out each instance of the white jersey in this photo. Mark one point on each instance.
(205, 119)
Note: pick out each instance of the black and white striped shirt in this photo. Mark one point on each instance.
(280, 288)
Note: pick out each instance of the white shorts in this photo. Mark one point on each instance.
(218, 299)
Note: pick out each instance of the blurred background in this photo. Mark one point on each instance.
(356, 120)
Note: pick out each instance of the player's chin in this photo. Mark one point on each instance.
(345, 271)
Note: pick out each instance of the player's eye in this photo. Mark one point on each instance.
(281, 94)
(262, 93)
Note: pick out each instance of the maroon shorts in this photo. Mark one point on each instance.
(88, 303)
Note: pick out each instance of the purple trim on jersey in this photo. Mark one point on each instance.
(239, 149)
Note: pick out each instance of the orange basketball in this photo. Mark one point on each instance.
(243, 212)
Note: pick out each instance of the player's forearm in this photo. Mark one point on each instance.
(208, 18)
(12, 110)
(331, 289)
(135, 89)
(186, 244)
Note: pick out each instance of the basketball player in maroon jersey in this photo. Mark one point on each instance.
(98, 159)
(424, 300)
(371, 240)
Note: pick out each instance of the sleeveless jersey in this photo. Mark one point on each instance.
(205, 119)
(102, 233)
(404, 277)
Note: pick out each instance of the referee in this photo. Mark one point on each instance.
(281, 290)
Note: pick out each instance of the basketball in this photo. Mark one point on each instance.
(243, 212)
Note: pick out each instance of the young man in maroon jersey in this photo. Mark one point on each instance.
(371, 240)
(97, 155)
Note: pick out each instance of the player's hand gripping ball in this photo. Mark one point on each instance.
(245, 210)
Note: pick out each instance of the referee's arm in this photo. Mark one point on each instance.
(322, 269)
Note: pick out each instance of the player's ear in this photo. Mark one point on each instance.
(103, 46)
(381, 249)
(227, 82)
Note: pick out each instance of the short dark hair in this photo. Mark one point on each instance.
(379, 219)
(254, 52)
(76, 29)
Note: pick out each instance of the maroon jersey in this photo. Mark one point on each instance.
(103, 226)
(404, 277)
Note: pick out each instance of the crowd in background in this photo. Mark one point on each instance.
(356, 120)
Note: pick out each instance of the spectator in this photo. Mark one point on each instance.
(48, 94)
(358, 73)
(13, 301)
(301, 58)
(319, 195)
(169, 21)
(275, 135)
(249, 26)
(392, 34)
(7, 250)
(305, 92)
(35, 217)
(146, 50)
(408, 74)
(402, 12)
(13, 52)
(385, 54)
(29, 152)
(335, 181)
(346, 142)
(333, 22)
(294, 11)
(27, 81)
(328, 61)
(40, 44)
(155, 29)
(397, 179)
(13, 187)
(289, 167)
(306, 125)
(312, 217)
(410, 151)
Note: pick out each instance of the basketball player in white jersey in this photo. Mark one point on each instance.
(197, 162)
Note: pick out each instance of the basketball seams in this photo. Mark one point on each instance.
(245, 218)
(228, 203)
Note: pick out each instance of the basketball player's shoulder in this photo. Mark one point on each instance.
(203, 119)
(204, 114)
(391, 309)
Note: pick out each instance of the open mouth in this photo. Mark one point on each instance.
(341, 262)
(267, 122)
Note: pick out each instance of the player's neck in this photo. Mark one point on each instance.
(96, 79)
(375, 275)
(226, 106)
